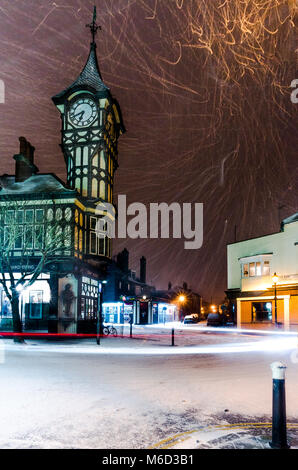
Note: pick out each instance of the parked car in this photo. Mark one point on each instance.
(216, 319)
(193, 318)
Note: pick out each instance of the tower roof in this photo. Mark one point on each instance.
(89, 78)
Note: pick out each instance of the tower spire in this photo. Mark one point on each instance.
(93, 26)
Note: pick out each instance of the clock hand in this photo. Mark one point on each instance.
(81, 114)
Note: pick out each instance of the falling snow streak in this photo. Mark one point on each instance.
(205, 91)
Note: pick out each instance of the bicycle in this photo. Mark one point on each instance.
(109, 330)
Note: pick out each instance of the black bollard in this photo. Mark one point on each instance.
(173, 337)
(279, 418)
(98, 331)
(130, 330)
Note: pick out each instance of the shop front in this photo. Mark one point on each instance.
(70, 307)
(260, 310)
(33, 307)
(164, 312)
(118, 312)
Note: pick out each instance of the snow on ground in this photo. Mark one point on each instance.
(79, 395)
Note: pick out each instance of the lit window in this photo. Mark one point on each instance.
(35, 302)
(266, 268)
(258, 269)
(252, 269)
(59, 214)
(67, 236)
(245, 270)
(50, 215)
(68, 214)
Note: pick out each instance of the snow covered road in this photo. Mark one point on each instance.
(82, 396)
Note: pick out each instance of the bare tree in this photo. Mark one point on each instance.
(27, 247)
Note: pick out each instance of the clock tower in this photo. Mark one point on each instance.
(91, 125)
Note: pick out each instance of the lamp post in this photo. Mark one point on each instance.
(275, 280)
(99, 314)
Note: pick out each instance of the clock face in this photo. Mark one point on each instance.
(83, 112)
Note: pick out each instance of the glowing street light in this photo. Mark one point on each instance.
(275, 280)
(181, 298)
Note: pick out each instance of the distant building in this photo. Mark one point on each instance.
(251, 267)
(128, 297)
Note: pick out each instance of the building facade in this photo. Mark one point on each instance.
(263, 278)
(67, 293)
(79, 279)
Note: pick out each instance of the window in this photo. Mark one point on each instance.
(35, 302)
(245, 270)
(93, 223)
(38, 237)
(50, 215)
(59, 214)
(20, 216)
(67, 236)
(39, 216)
(29, 237)
(68, 214)
(5, 306)
(257, 268)
(89, 298)
(93, 248)
(19, 238)
(252, 269)
(29, 216)
(9, 216)
(266, 268)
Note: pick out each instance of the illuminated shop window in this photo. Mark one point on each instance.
(35, 302)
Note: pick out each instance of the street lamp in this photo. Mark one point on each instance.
(275, 280)
(99, 313)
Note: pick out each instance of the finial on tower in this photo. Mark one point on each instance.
(93, 26)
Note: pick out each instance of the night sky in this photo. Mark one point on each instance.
(204, 87)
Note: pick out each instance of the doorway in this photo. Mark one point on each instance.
(144, 313)
(261, 312)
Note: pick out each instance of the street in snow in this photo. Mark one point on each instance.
(143, 393)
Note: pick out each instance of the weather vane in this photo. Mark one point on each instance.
(93, 26)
